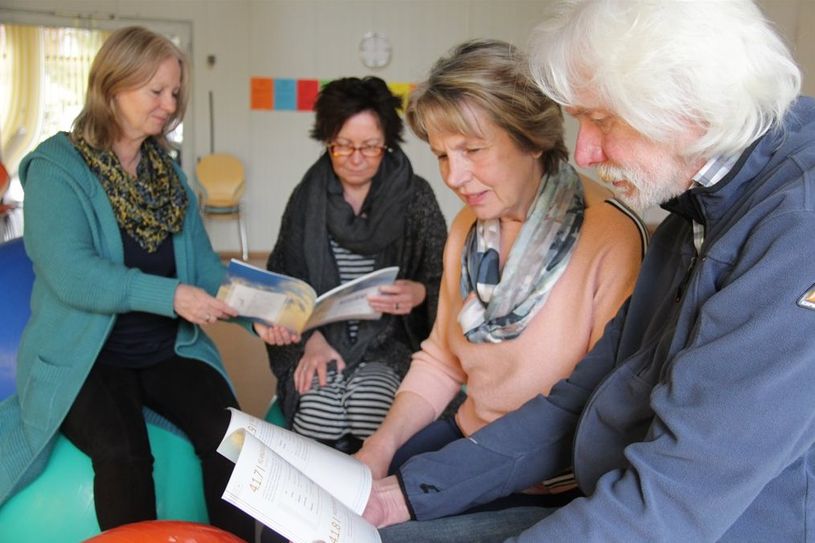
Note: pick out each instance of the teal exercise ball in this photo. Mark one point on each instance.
(58, 505)
(274, 414)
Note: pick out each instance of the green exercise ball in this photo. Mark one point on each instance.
(274, 414)
(58, 505)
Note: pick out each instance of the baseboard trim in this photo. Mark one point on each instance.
(253, 255)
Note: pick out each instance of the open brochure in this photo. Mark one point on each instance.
(274, 298)
(302, 489)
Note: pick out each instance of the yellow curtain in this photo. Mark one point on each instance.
(23, 112)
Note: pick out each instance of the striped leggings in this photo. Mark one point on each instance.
(354, 404)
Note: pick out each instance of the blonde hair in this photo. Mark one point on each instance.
(493, 76)
(128, 59)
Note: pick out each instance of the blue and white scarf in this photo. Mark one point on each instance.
(505, 301)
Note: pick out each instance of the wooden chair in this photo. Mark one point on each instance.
(222, 180)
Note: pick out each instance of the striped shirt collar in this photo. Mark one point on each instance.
(714, 170)
(711, 173)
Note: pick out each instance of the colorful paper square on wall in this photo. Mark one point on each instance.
(268, 93)
(285, 94)
(403, 90)
(307, 90)
(261, 93)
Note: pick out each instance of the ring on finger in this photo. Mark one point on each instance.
(397, 306)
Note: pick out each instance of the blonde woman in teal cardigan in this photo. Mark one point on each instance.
(125, 274)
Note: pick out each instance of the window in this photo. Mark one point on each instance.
(43, 78)
(67, 57)
(42, 87)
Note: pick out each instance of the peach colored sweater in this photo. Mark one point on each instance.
(500, 377)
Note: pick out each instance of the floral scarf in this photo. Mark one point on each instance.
(504, 301)
(150, 206)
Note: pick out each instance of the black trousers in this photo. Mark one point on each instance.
(106, 423)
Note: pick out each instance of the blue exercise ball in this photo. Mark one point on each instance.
(16, 278)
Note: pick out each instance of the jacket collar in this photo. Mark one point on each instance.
(697, 203)
(709, 205)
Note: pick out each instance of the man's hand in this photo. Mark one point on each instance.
(386, 505)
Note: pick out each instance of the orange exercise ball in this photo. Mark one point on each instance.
(165, 531)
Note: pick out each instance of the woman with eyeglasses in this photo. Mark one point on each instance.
(536, 263)
(359, 208)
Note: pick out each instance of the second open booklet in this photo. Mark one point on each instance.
(274, 298)
(302, 489)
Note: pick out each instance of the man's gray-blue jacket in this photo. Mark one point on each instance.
(693, 419)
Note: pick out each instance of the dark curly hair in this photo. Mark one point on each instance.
(343, 98)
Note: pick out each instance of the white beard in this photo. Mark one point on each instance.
(643, 191)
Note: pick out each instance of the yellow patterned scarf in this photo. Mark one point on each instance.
(148, 207)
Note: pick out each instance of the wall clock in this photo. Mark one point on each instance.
(375, 50)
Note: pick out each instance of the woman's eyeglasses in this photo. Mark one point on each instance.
(345, 150)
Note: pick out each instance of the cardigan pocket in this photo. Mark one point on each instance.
(38, 397)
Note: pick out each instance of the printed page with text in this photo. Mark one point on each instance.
(302, 489)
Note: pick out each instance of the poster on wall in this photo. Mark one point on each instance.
(286, 94)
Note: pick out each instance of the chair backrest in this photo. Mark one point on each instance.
(16, 279)
(223, 179)
(5, 180)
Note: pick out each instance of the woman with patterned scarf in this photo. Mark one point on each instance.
(536, 263)
(124, 277)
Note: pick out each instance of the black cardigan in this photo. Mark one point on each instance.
(420, 260)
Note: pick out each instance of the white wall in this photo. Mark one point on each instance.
(319, 39)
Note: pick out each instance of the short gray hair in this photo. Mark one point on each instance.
(494, 77)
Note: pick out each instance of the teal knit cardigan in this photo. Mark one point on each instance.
(80, 285)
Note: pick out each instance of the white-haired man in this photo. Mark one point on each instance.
(693, 418)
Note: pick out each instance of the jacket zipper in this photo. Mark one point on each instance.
(680, 290)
